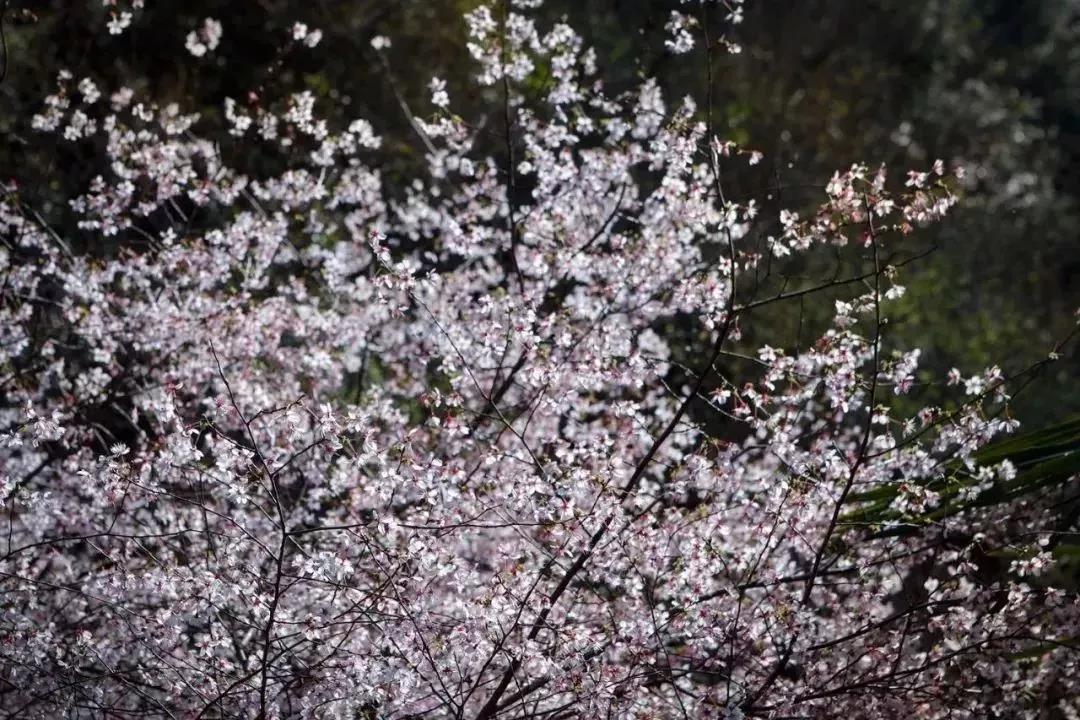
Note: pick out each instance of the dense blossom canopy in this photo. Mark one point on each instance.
(287, 443)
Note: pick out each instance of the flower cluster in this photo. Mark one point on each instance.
(305, 447)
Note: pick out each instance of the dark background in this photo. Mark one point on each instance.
(993, 85)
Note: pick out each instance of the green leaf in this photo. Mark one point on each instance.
(1042, 458)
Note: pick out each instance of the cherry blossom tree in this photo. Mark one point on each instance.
(292, 443)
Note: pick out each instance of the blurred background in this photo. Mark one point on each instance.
(992, 85)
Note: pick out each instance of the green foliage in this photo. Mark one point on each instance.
(1042, 458)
